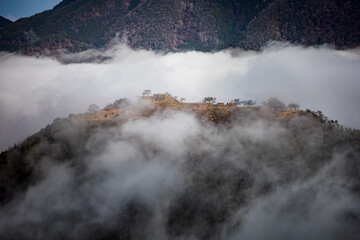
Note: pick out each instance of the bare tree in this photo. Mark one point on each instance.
(275, 104)
(146, 92)
(293, 106)
(209, 100)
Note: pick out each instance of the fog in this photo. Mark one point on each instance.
(172, 176)
(36, 90)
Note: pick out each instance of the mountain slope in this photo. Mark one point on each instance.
(307, 22)
(173, 25)
(4, 22)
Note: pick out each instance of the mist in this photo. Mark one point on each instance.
(174, 176)
(36, 90)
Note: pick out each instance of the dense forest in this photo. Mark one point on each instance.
(170, 25)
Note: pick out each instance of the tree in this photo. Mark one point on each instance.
(237, 101)
(108, 107)
(321, 116)
(209, 100)
(117, 104)
(93, 108)
(120, 103)
(293, 106)
(146, 92)
(275, 104)
(248, 103)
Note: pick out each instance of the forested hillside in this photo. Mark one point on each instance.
(173, 25)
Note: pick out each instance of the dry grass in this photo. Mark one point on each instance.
(212, 112)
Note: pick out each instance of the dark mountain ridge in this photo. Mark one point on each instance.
(4, 22)
(172, 25)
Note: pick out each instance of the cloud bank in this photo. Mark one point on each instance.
(34, 91)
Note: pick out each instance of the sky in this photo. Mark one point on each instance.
(15, 9)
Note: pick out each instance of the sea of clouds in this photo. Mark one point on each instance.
(36, 90)
(172, 176)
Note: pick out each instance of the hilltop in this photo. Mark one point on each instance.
(173, 25)
(208, 111)
(167, 169)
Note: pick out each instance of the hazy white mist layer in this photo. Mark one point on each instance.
(246, 181)
(34, 91)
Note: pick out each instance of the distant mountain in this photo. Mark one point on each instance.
(4, 22)
(174, 25)
(307, 22)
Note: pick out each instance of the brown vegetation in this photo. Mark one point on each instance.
(217, 113)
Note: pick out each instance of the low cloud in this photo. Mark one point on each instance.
(173, 176)
(36, 90)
